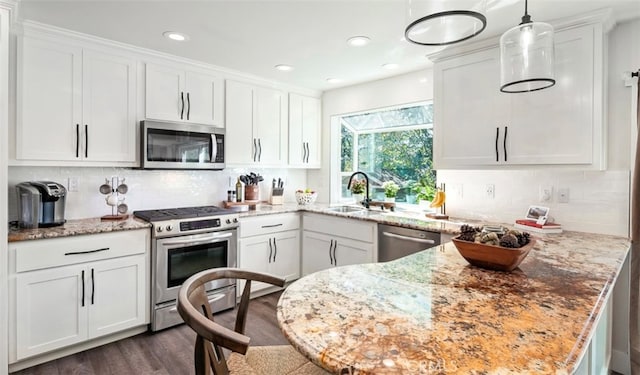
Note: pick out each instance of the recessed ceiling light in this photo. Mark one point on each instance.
(283, 67)
(423, 80)
(390, 66)
(358, 41)
(174, 35)
(334, 80)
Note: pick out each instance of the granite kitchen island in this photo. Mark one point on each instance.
(432, 312)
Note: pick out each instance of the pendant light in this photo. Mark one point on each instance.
(526, 56)
(443, 22)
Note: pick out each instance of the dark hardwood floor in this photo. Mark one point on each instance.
(168, 352)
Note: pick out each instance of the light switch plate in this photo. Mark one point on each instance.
(563, 195)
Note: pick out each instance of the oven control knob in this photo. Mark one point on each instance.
(235, 220)
(169, 228)
(228, 221)
(159, 229)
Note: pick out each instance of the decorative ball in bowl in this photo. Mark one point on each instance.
(306, 197)
(495, 251)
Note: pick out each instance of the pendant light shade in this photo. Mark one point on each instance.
(527, 57)
(443, 22)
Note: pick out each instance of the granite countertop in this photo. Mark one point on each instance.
(76, 228)
(431, 312)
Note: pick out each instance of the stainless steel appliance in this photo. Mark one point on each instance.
(397, 242)
(41, 204)
(184, 242)
(168, 145)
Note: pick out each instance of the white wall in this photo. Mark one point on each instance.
(149, 189)
(407, 88)
(599, 201)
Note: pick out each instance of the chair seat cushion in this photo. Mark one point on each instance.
(272, 360)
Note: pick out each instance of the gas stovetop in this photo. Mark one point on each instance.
(188, 220)
(181, 213)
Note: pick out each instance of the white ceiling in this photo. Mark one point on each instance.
(254, 36)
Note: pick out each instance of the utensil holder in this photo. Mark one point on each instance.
(251, 192)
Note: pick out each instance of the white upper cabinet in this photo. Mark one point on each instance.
(256, 130)
(74, 103)
(174, 94)
(304, 131)
(477, 126)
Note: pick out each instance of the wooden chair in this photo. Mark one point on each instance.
(212, 337)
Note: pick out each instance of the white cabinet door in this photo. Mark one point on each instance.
(286, 257)
(241, 146)
(205, 98)
(116, 295)
(51, 309)
(469, 110)
(317, 252)
(351, 252)
(556, 125)
(256, 254)
(270, 125)
(165, 93)
(304, 131)
(49, 100)
(109, 103)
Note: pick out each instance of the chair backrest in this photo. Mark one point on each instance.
(194, 308)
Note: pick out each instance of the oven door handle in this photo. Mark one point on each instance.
(216, 297)
(200, 241)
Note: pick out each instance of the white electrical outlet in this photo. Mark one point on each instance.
(546, 193)
(490, 191)
(72, 184)
(563, 195)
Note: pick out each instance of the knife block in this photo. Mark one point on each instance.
(277, 196)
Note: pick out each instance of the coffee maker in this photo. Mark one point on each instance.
(41, 204)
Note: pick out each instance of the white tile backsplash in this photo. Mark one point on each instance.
(150, 189)
(598, 200)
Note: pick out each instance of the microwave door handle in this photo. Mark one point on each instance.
(200, 241)
(213, 148)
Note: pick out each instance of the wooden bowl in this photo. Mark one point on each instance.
(493, 257)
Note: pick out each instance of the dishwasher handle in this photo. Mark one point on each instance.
(412, 239)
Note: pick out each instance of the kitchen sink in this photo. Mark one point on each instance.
(346, 209)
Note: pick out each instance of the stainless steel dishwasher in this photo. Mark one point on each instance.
(396, 242)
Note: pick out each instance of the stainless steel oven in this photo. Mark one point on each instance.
(182, 247)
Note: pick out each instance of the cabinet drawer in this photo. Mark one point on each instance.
(38, 254)
(268, 224)
(347, 228)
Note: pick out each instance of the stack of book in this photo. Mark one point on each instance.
(532, 226)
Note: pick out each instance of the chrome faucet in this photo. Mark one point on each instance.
(366, 200)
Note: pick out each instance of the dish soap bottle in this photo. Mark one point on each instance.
(238, 191)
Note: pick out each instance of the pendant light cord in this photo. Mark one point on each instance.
(526, 18)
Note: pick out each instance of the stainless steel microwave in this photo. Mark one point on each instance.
(174, 145)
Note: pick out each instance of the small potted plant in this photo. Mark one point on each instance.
(390, 190)
(357, 189)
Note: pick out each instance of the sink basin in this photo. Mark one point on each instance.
(346, 209)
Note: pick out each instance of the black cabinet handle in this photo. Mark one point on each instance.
(188, 106)
(504, 143)
(82, 277)
(182, 100)
(497, 136)
(335, 258)
(260, 150)
(275, 252)
(331, 256)
(77, 140)
(87, 252)
(255, 150)
(270, 250)
(86, 140)
(93, 286)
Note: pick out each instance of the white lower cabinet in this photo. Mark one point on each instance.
(102, 290)
(328, 242)
(270, 244)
